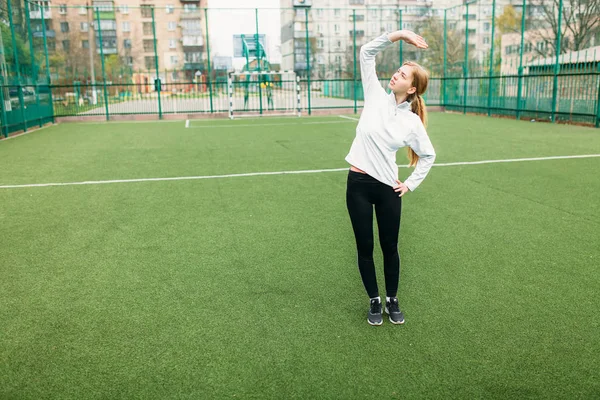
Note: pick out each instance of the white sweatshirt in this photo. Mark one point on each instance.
(384, 127)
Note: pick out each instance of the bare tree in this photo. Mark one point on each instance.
(432, 29)
(580, 23)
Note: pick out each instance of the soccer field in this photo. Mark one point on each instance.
(215, 259)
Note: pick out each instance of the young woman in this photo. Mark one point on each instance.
(388, 123)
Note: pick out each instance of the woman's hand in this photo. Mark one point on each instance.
(409, 37)
(401, 188)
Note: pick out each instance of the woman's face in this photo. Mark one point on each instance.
(401, 81)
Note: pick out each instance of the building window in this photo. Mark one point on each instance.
(191, 25)
(336, 12)
(129, 60)
(126, 26)
(85, 44)
(320, 44)
(174, 60)
(338, 44)
(64, 27)
(82, 10)
(103, 6)
(127, 43)
(149, 62)
(51, 45)
(336, 28)
(124, 9)
(66, 45)
(147, 28)
(540, 46)
(486, 40)
(62, 9)
(172, 26)
(148, 45)
(357, 2)
(338, 59)
(84, 26)
(319, 28)
(486, 26)
(146, 11)
(169, 8)
(194, 57)
(172, 43)
(188, 8)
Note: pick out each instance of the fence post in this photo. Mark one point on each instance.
(102, 60)
(17, 67)
(307, 58)
(354, 51)
(402, 41)
(91, 49)
(33, 66)
(258, 54)
(4, 119)
(520, 83)
(598, 101)
(491, 71)
(210, 93)
(466, 65)
(48, 72)
(556, 63)
(157, 81)
(444, 82)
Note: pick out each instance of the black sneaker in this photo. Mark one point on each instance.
(393, 310)
(374, 317)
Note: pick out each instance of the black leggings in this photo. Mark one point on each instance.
(364, 191)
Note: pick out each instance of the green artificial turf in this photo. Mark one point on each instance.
(247, 287)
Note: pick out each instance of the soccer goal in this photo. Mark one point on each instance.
(265, 93)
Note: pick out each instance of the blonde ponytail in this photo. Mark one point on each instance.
(418, 107)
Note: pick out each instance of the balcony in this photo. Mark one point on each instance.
(107, 50)
(197, 66)
(196, 14)
(37, 14)
(192, 39)
(190, 1)
(300, 66)
(40, 34)
(302, 34)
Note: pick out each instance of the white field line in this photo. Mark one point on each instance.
(516, 160)
(312, 171)
(343, 116)
(277, 124)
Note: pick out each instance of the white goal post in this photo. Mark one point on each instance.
(264, 93)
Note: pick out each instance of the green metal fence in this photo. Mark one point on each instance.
(529, 60)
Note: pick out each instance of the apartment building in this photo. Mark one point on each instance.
(332, 26)
(128, 30)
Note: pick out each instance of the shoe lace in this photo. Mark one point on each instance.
(394, 307)
(375, 307)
